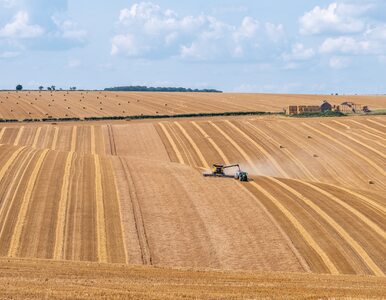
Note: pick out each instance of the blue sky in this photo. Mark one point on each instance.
(303, 46)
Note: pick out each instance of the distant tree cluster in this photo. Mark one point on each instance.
(159, 89)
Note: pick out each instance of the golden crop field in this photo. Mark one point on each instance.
(64, 104)
(310, 223)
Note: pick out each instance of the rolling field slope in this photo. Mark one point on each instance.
(133, 193)
(62, 104)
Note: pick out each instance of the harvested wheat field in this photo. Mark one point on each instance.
(112, 209)
(81, 104)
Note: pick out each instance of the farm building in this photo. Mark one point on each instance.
(325, 106)
(301, 109)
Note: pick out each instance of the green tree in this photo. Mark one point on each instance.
(19, 87)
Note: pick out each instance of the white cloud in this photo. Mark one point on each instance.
(347, 45)
(68, 29)
(147, 30)
(19, 27)
(298, 53)
(339, 62)
(336, 18)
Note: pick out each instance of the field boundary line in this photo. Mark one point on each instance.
(194, 145)
(55, 139)
(354, 211)
(300, 228)
(260, 148)
(297, 254)
(92, 137)
(138, 217)
(20, 220)
(36, 138)
(342, 232)
(62, 209)
(355, 140)
(348, 148)
(368, 127)
(73, 139)
(18, 137)
(100, 213)
(172, 143)
(297, 225)
(212, 142)
(289, 153)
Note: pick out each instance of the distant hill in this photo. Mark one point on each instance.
(159, 89)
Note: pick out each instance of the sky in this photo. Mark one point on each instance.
(300, 46)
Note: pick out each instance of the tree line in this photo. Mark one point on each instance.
(159, 89)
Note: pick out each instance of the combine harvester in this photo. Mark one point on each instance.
(218, 170)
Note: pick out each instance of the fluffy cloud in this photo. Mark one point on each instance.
(145, 29)
(68, 29)
(336, 18)
(299, 52)
(19, 27)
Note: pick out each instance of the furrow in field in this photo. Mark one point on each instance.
(296, 224)
(372, 163)
(73, 139)
(100, 213)
(365, 199)
(342, 232)
(18, 137)
(371, 140)
(204, 163)
(10, 161)
(234, 144)
(260, 148)
(62, 210)
(354, 140)
(291, 156)
(300, 228)
(354, 211)
(2, 132)
(15, 241)
(377, 123)
(369, 127)
(92, 138)
(113, 149)
(299, 257)
(211, 141)
(172, 143)
(138, 216)
(7, 225)
(122, 218)
(55, 138)
(37, 135)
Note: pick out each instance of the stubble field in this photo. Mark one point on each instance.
(132, 193)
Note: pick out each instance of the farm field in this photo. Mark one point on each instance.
(37, 279)
(132, 193)
(62, 104)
